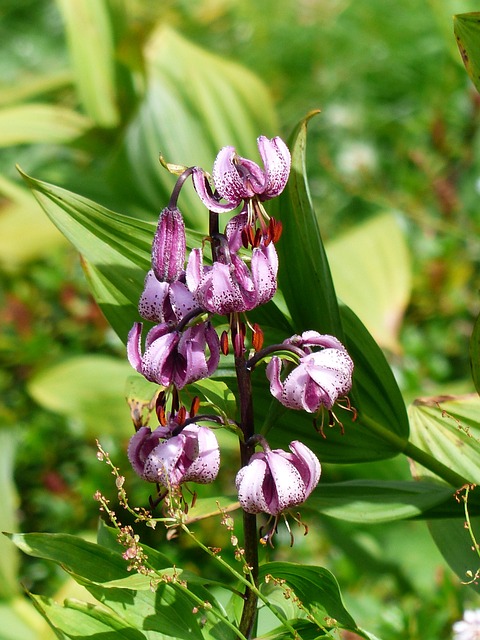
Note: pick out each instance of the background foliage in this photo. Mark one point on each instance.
(393, 169)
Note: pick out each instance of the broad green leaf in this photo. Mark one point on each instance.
(89, 390)
(381, 429)
(116, 249)
(194, 104)
(304, 273)
(448, 428)
(19, 219)
(164, 610)
(27, 89)
(8, 516)
(475, 354)
(92, 561)
(79, 620)
(33, 123)
(316, 588)
(467, 32)
(90, 39)
(371, 269)
(371, 501)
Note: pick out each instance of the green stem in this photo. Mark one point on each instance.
(409, 449)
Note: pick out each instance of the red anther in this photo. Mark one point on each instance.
(242, 328)
(258, 237)
(275, 229)
(161, 416)
(244, 235)
(250, 236)
(181, 415)
(195, 406)
(224, 343)
(257, 337)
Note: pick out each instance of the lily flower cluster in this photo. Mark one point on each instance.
(183, 295)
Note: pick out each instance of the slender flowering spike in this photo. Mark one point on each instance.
(236, 178)
(276, 480)
(173, 357)
(320, 378)
(192, 455)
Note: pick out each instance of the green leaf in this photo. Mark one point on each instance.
(466, 27)
(8, 516)
(116, 249)
(164, 610)
(89, 390)
(316, 588)
(381, 430)
(33, 123)
(371, 501)
(20, 219)
(475, 354)
(90, 40)
(194, 104)
(79, 620)
(371, 269)
(456, 546)
(304, 272)
(448, 428)
(92, 561)
(217, 395)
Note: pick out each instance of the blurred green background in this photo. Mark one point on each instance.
(89, 97)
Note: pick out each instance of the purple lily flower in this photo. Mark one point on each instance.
(320, 378)
(174, 357)
(191, 456)
(236, 178)
(228, 285)
(276, 480)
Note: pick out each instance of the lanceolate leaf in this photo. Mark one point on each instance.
(475, 354)
(315, 587)
(467, 33)
(381, 429)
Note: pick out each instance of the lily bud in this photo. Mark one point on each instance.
(169, 246)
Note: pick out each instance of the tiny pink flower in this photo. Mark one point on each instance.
(469, 627)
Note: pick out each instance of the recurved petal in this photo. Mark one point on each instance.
(332, 370)
(264, 265)
(307, 465)
(201, 184)
(202, 449)
(277, 160)
(249, 482)
(158, 364)
(163, 465)
(152, 300)
(315, 339)
(134, 343)
(285, 487)
(236, 178)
